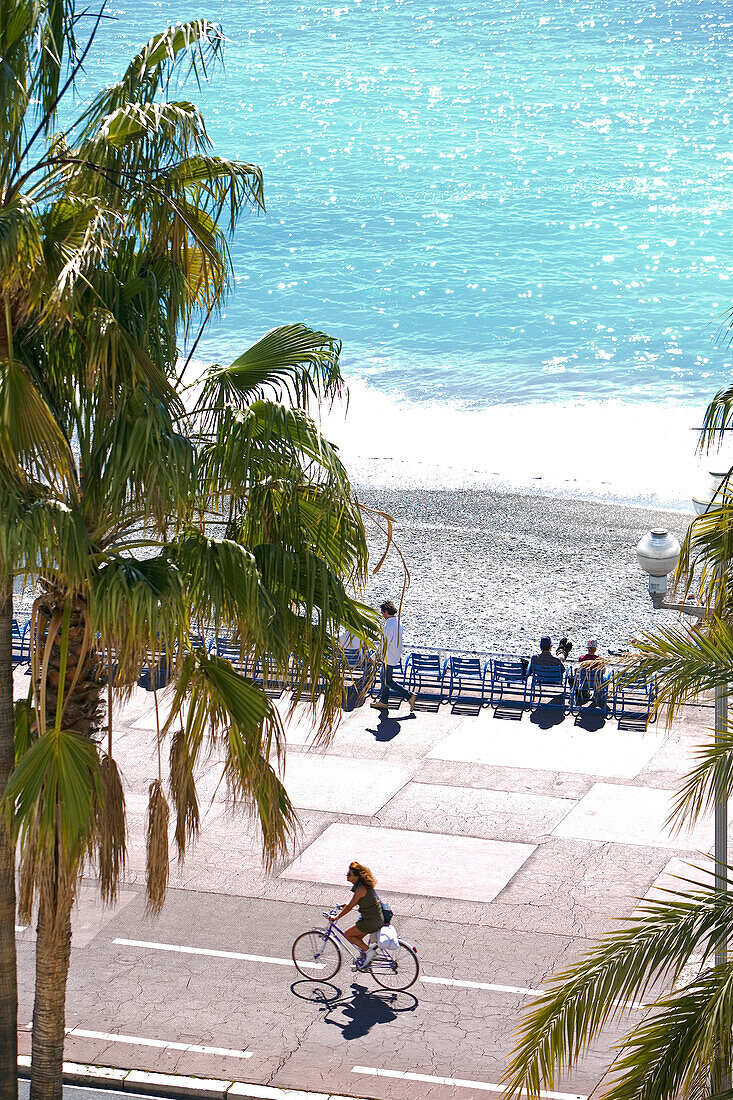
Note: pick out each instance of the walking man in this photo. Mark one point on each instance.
(392, 656)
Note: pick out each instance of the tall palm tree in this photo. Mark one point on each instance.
(682, 1047)
(145, 511)
(36, 42)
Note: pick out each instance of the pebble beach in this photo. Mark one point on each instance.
(493, 570)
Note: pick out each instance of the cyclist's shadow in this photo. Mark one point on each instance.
(366, 1008)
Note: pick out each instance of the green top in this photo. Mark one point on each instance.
(370, 907)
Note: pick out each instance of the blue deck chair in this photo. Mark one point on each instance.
(426, 677)
(358, 670)
(266, 675)
(310, 690)
(508, 687)
(467, 685)
(21, 643)
(547, 682)
(155, 674)
(632, 702)
(230, 651)
(588, 694)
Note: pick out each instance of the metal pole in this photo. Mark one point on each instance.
(721, 845)
(721, 817)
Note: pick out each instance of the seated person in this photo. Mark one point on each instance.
(591, 660)
(592, 655)
(546, 658)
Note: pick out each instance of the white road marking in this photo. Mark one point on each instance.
(457, 1082)
(20, 927)
(138, 1040)
(461, 983)
(216, 954)
(484, 985)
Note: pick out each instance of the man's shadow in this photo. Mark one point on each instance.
(388, 726)
(550, 713)
(364, 1009)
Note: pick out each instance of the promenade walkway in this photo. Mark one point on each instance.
(504, 848)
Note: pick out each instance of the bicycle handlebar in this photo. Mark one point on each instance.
(331, 912)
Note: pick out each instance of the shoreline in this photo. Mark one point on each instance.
(634, 454)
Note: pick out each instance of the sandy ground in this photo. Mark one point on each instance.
(493, 570)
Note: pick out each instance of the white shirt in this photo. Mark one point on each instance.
(393, 636)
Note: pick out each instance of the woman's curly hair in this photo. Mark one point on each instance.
(363, 873)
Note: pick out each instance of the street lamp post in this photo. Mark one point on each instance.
(657, 553)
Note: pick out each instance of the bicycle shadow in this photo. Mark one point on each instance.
(363, 1010)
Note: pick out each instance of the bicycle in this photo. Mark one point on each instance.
(320, 950)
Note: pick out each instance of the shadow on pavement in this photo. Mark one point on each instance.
(549, 714)
(366, 1008)
(389, 727)
(319, 993)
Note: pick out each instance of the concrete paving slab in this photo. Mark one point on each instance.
(495, 815)
(414, 862)
(631, 815)
(564, 748)
(339, 784)
(682, 876)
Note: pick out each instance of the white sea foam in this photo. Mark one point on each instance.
(640, 454)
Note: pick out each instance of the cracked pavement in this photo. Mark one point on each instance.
(484, 915)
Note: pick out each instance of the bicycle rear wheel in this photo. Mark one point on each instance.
(399, 973)
(316, 955)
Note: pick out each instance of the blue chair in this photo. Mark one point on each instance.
(590, 689)
(632, 702)
(230, 651)
(508, 688)
(425, 676)
(357, 669)
(265, 675)
(467, 685)
(21, 643)
(309, 690)
(547, 682)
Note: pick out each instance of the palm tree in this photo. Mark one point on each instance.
(682, 1047)
(146, 511)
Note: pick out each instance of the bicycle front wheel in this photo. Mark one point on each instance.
(396, 974)
(316, 955)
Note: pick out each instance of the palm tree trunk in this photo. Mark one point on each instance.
(8, 975)
(53, 950)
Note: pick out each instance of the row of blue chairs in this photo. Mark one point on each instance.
(508, 684)
(512, 686)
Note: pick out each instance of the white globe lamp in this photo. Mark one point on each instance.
(658, 553)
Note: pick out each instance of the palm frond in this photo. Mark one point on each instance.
(111, 830)
(30, 439)
(223, 585)
(657, 941)
(293, 361)
(157, 865)
(137, 609)
(50, 796)
(681, 1049)
(233, 712)
(711, 774)
(152, 69)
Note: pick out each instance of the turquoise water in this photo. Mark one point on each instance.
(488, 202)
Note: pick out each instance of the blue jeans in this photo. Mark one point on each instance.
(388, 682)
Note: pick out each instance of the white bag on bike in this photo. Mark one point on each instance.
(387, 939)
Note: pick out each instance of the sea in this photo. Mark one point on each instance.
(516, 214)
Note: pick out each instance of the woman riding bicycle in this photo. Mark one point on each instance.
(371, 914)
